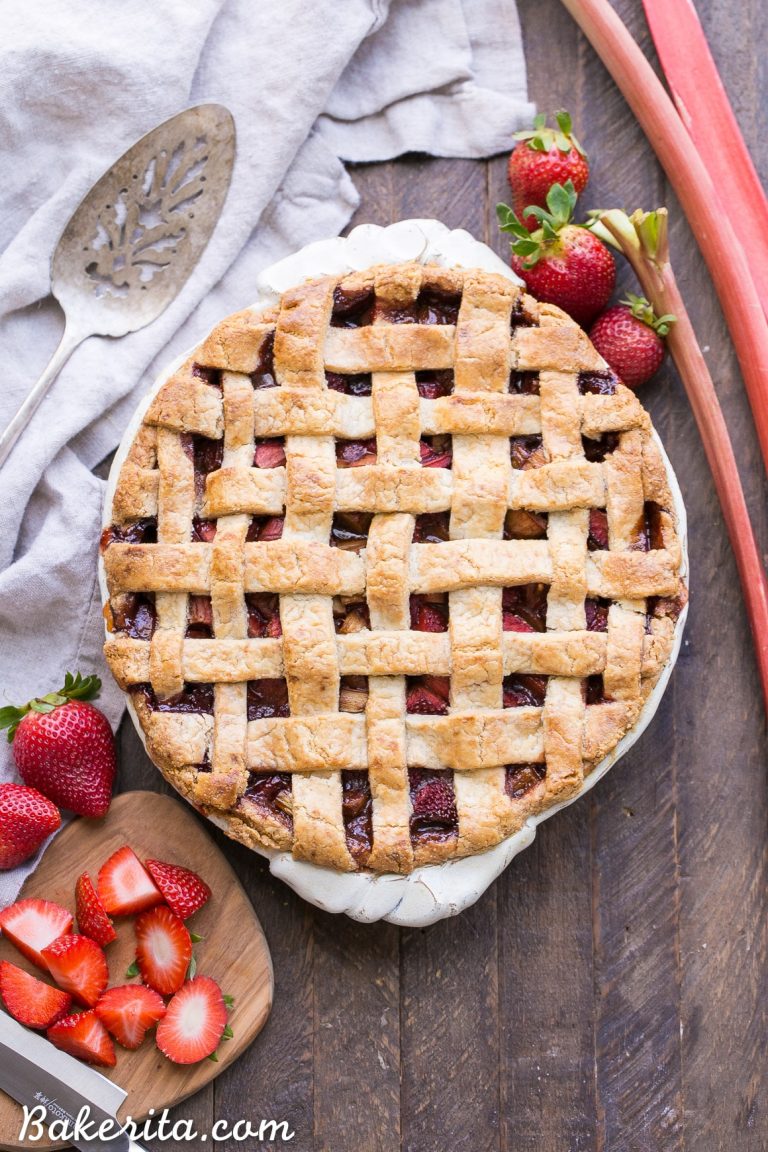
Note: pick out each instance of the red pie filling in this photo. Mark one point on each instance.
(139, 532)
(352, 309)
(357, 813)
(649, 535)
(430, 307)
(264, 529)
(432, 384)
(206, 456)
(436, 451)
(355, 453)
(432, 528)
(354, 384)
(524, 608)
(429, 614)
(433, 804)
(597, 538)
(597, 614)
(199, 618)
(527, 451)
(272, 793)
(264, 374)
(134, 614)
(427, 695)
(519, 524)
(524, 691)
(524, 384)
(594, 690)
(211, 376)
(194, 698)
(352, 617)
(597, 450)
(269, 453)
(263, 615)
(267, 698)
(349, 530)
(597, 383)
(520, 317)
(203, 531)
(521, 778)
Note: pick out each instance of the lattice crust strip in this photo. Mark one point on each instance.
(391, 567)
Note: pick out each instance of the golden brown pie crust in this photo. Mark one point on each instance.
(208, 758)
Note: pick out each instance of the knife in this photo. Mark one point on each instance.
(35, 1073)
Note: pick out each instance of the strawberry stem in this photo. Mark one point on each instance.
(76, 687)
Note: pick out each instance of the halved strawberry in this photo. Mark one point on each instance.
(79, 966)
(183, 891)
(29, 1000)
(428, 695)
(83, 1035)
(125, 886)
(163, 950)
(92, 920)
(194, 1022)
(128, 1011)
(511, 622)
(34, 924)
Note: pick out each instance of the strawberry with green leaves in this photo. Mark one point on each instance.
(630, 338)
(64, 746)
(561, 262)
(543, 157)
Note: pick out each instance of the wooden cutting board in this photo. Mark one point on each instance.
(234, 951)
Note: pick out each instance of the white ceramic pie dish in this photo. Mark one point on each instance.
(432, 892)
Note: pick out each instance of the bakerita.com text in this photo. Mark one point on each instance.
(49, 1121)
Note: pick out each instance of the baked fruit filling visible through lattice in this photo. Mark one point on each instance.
(391, 567)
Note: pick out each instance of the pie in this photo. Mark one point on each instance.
(391, 566)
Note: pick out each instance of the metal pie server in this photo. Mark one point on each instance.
(134, 239)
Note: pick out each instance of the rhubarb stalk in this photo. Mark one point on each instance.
(689, 177)
(642, 238)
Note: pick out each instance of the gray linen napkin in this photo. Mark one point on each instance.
(309, 84)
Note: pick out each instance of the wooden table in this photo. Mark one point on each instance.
(608, 992)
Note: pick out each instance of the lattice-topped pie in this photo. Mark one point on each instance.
(392, 566)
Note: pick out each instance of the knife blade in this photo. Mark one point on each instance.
(36, 1074)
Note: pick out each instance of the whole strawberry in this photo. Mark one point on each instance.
(64, 746)
(630, 337)
(543, 157)
(561, 263)
(27, 818)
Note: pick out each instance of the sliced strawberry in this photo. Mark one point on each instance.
(597, 540)
(34, 924)
(272, 528)
(269, 454)
(194, 1023)
(129, 1011)
(83, 1035)
(92, 920)
(163, 950)
(79, 966)
(29, 1000)
(125, 886)
(183, 891)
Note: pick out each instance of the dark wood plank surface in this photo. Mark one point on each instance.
(608, 994)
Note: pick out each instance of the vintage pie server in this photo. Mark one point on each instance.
(134, 239)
